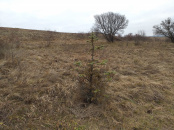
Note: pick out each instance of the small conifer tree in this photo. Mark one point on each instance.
(92, 79)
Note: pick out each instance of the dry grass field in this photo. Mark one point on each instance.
(39, 83)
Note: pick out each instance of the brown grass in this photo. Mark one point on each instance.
(38, 89)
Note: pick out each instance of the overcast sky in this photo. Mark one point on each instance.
(78, 15)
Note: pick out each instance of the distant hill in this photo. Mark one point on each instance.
(27, 34)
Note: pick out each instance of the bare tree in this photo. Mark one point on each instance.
(109, 24)
(141, 33)
(166, 28)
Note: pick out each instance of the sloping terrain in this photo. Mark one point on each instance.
(39, 86)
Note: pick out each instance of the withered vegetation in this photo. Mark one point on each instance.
(39, 83)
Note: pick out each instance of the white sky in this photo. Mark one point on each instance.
(78, 15)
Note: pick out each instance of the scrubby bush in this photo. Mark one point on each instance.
(137, 38)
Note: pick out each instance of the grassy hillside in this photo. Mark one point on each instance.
(39, 83)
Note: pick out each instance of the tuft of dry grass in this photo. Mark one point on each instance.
(38, 88)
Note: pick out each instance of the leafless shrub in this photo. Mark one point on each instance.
(129, 37)
(137, 38)
(141, 35)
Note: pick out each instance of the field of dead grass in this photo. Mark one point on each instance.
(39, 86)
